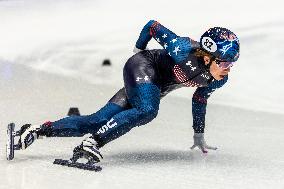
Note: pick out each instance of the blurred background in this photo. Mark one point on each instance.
(51, 55)
(72, 38)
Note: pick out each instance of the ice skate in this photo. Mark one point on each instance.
(28, 133)
(87, 150)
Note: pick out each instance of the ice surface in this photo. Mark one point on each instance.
(157, 155)
(50, 59)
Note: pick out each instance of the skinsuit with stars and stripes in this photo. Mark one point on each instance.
(148, 76)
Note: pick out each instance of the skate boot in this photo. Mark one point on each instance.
(29, 133)
(89, 150)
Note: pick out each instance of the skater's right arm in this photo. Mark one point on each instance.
(177, 47)
(199, 105)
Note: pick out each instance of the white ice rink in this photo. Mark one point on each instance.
(50, 59)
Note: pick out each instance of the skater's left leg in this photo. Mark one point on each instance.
(75, 126)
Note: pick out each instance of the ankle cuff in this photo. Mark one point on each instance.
(46, 129)
(99, 140)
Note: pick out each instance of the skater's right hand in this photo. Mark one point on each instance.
(199, 142)
(136, 50)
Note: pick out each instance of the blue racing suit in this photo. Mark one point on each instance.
(148, 76)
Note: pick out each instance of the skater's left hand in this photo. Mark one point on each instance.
(136, 50)
(199, 142)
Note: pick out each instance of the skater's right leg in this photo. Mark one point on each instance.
(143, 93)
(29, 133)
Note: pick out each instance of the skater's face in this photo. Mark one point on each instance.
(218, 69)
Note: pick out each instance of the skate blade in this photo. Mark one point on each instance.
(68, 163)
(10, 142)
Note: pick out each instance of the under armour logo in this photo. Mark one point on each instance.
(146, 78)
(191, 67)
(138, 78)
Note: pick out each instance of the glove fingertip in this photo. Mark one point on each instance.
(214, 148)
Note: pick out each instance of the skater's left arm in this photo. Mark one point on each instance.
(199, 104)
(177, 47)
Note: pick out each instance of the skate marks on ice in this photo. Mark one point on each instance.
(147, 157)
(185, 158)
